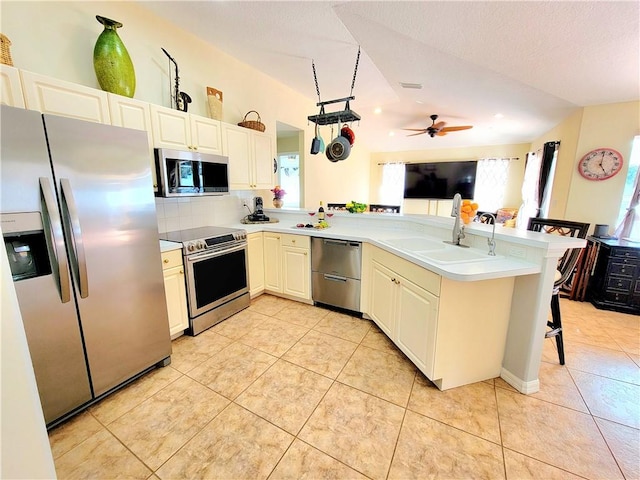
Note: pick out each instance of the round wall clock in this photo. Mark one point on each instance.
(600, 164)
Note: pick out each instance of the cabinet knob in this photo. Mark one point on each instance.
(166, 260)
(181, 272)
(293, 241)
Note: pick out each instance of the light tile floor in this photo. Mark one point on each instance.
(284, 390)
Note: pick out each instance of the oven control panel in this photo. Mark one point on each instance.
(216, 243)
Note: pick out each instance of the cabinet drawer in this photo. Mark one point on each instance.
(625, 268)
(301, 241)
(171, 259)
(625, 253)
(622, 284)
(616, 297)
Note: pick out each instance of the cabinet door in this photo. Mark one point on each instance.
(272, 262)
(10, 87)
(171, 128)
(256, 263)
(262, 160)
(382, 299)
(236, 146)
(417, 313)
(206, 135)
(49, 95)
(176, 294)
(296, 272)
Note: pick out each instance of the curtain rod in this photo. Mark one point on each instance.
(477, 160)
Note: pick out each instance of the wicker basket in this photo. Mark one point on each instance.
(252, 124)
(5, 53)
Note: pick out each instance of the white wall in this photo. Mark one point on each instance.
(57, 39)
(578, 199)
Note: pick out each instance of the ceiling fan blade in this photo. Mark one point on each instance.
(441, 133)
(456, 129)
(438, 125)
(419, 133)
(423, 130)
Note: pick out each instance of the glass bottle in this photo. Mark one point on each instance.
(320, 213)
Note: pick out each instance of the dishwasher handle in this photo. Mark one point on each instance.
(341, 243)
(335, 278)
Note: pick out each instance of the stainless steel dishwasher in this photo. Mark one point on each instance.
(336, 267)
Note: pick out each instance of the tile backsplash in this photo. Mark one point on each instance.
(193, 212)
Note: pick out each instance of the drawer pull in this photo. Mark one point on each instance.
(166, 260)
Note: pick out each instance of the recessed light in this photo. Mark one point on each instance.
(498, 115)
(392, 134)
(377, 110)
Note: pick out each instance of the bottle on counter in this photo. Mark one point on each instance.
(320, 213)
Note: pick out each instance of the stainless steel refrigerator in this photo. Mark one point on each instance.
(80, 232)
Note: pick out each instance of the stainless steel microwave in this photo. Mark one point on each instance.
(186, 173)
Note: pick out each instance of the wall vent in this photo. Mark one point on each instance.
(415, 86)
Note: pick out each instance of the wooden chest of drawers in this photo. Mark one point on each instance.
(615, 283)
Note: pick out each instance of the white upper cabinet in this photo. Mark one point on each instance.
(10, 87)
(130, 113)
(250, 157)
(183, 131)
(49, 95)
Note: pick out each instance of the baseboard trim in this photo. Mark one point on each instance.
(527, 388)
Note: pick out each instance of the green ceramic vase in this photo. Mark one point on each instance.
(111, 61)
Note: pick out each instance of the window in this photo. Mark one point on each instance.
(392, 187)
(491, 183)
(628, 221)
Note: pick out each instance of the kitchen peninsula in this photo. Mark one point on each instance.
(484, 309)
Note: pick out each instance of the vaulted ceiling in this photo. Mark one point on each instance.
(533, 62)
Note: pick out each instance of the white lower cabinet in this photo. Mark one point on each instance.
(272, 262)
(406, 313)
(287, 265)
(256, 263)
(454, 332)
(175, 291)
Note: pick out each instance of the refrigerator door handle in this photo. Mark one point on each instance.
(76, 234)
(52, 217)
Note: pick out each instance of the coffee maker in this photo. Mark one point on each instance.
(258, 212)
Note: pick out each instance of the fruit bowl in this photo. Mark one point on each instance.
(468, 211)
(355, 207)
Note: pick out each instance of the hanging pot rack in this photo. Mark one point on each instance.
(344, 116)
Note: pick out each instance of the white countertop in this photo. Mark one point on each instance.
(166, 246)
(503, 265)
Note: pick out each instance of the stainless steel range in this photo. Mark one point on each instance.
(215, 260)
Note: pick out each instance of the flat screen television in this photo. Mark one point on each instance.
(441, 180)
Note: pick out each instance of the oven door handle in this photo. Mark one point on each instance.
(196, 257)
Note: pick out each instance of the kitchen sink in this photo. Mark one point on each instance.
(456, 255)
(415, 244)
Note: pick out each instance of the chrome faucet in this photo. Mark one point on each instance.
(458, 229)
(491, 241)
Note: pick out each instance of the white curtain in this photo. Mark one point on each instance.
(529, 207)
(625, 229)
(392, 186)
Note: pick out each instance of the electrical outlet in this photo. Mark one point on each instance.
(518, 252)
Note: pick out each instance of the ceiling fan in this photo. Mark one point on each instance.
(437, 128)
